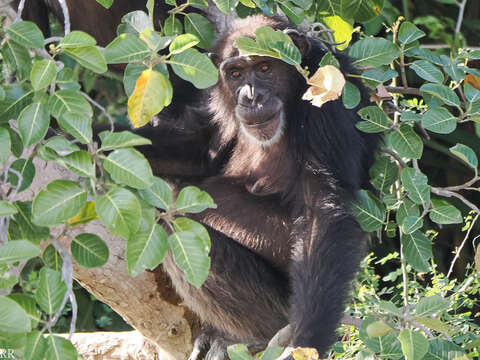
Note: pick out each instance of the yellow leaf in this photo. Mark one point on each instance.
(343, 30)
(152, 93)
(87, 213)
(305, 354)
(327, 84)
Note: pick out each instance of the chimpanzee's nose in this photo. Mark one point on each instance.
(249, 95)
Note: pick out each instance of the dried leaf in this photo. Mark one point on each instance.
(327, 84)
(473, 80)
(305, 354)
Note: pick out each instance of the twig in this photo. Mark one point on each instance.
(463, 186)
(459, 250)
(395, 156)
(460, 16)
(102, 109)
(19, 184)
(353, 321)
(66, 16)
(446, 193)
(67, 277)
(52, 39)
(21, 5)
(282, 337)
(423, 328)
(403, 90)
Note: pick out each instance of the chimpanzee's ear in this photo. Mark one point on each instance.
(300, 40)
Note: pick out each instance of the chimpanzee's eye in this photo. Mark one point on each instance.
(235, 73)
(264, 68)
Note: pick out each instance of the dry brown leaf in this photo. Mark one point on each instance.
(327, 84)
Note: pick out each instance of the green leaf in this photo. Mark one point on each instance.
(466, 154)
(378, 328)
(77, 125)
(7, 209)
(373, 52)
(249, 46)
(80, 162)
(61, 145)
(191, 256)
(35, 346)
(417, 249)
(412, 224)
(52, 258)
(472, 94)
(138, 20)
(361, 10)
(146, 249)
(123, 139)
(18, 250)
(375, 120)
(350, 96)
(28, 303)
(129, 167)
(158, 195)
(119, 210)
(193, 200)
(89, 250)
(16, 143)
(239, 352)
(431, 305)
(227, 6)
(126, 48)
(408, 33)
(281, 44)
(59, 348)
(369, 211)
(434, 324)
(195, 67)
(444, 213)
(294, 13)
(414, 344)
(439, 120)
(67, 101)
(43, 73)
(406, 142)
(153, 91)
(17, 57)
(427, 71)
(172, 26)
(406, 209)
(15, 100)
(441, 92)
(374, 77)
(183, 224)
(13, 319)
(61, 200)
(5, 145)
(328, 59)
(26, 33)
(444, 350)
(183, 42)
(89, 57)
(383, 174)
(199, 26)
(77, 39)
(22, 227)
(33, 123)
(51, 290)
(415, 183)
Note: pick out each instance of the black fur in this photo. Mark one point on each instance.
(289, 256)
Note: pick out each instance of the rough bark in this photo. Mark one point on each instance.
(147, 302)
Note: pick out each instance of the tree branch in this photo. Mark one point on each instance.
(403, 90)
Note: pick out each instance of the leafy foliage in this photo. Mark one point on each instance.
(412, 311)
